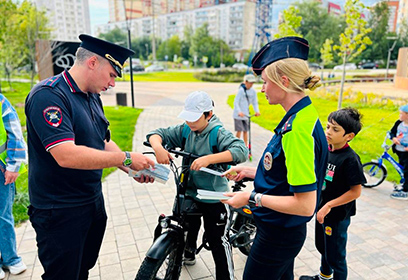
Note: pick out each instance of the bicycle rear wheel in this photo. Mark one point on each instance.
(374, 173)
(247, 228)
(165, 268)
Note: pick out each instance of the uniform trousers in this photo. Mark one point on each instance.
(273, 252)
(69, 239)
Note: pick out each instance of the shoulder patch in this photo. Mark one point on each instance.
(52, 82)
(288, 124)
(53, 115)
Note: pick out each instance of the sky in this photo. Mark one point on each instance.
(99, 11)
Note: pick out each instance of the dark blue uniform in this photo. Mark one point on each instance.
(66, 204)
(294, 161)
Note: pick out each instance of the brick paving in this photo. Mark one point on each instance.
(378, 235)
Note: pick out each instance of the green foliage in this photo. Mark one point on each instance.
(170, 48)
(220, 75)
(117, 36)
(326, 51)
(165, 76)
(378, 22)
(291, 22)
(142, 47)
(318, 25)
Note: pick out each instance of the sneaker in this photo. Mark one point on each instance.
(17, 268)
(189, 258)
(400, 195)
(2, 274)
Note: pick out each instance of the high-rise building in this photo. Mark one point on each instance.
(402, 13)
(67, 18)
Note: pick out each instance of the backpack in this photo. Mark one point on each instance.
(213, 137)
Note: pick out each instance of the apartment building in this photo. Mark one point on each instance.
(68, 18)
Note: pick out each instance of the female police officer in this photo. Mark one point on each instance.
(290, 174)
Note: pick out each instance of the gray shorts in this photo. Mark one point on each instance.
(241, 125)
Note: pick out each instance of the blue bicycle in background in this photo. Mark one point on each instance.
(375, 171)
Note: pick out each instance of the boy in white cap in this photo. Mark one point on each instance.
(399, 136)
(200, 121)
(246, 96)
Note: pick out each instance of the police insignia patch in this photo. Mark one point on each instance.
(267, 161)
(53, 116)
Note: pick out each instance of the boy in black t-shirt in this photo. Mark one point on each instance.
(340, 190)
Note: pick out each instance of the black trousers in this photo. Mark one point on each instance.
(69, 239)
(215, 217)
(403, 160)
(273, 252)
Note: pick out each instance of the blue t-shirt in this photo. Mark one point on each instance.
(402, 135)
(57, 112)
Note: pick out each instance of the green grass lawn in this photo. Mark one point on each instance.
(122, 125)
(377, 120)
(162, 77)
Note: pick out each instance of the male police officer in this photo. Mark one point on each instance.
(69, 145)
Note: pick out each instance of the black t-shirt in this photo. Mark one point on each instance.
(344, 169)
(58, 112)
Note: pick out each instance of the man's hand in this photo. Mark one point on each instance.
(10, 177)
(144, 179)
(140, 161)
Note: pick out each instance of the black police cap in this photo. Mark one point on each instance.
(116, 55)
(278, 49)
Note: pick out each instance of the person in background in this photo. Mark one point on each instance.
(342, 187)
(246, 96)
(12, 157)
(69, 144)
(290, 174)
(399, 136)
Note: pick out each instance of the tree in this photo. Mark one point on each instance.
(318, 25)
(117, 36)
(378, 22)
(141, 46)
(353, 40)
(291, 22)
(169, 48)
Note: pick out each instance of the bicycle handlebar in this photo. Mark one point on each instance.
(176, 152)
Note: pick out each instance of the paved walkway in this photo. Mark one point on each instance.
(378, 235)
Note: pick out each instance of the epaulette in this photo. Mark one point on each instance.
(52, 81)
(288, 124)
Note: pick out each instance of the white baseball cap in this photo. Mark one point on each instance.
(249, 78)
(195, 105)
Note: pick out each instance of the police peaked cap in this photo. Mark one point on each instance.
(278, 49)
(116, 55)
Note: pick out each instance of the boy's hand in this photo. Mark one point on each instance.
(241, 114)
(238, 199)
(203, 161)
(396, 141)
(163, 156)
(257, 114)
(322, 213)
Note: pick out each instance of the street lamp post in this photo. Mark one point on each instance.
(389, 53)
(130, 58)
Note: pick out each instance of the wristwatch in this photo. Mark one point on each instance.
(255, 199)
(128, 160)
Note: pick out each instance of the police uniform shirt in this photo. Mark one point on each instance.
(57, 112)
(294, 161)
(344, 170)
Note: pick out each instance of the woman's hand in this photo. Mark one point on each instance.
(322, 213)
(238, 199)
(237, 173)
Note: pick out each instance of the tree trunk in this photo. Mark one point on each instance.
(343, 77)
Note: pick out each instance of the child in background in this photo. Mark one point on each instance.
(399, 135)
(340, 190)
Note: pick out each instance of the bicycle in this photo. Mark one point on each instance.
(376, 172)
(164, 259)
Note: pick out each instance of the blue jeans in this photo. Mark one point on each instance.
(8, 248)
(331, 241)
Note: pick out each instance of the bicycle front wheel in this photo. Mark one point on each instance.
(165, 268)
(374, 173)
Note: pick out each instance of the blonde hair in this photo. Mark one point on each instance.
(296, 70)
